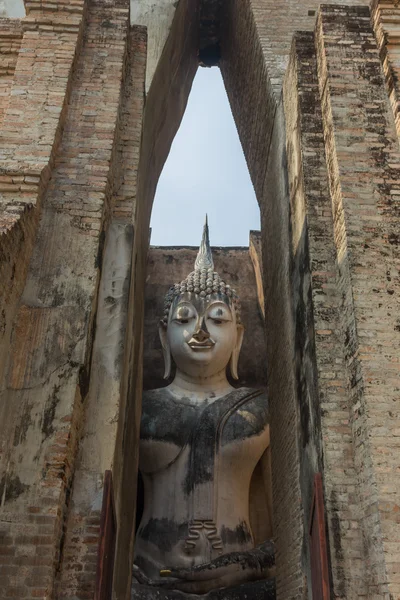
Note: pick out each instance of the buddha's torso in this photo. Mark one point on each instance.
(196, 460)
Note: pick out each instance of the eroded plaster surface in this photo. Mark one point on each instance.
(157, 16)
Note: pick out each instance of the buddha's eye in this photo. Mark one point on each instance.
(182, 320)
(219, 314)
(183, 315)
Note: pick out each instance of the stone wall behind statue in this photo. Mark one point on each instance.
(168, 265)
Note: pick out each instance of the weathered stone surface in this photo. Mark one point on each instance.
(157, 18)
(33, 109)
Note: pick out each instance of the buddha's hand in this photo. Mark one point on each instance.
(225, 571)
(140, 577)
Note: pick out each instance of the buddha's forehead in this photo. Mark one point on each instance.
(201, 304)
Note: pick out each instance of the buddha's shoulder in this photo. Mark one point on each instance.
(251, 416)
(166, 418)
(252, 396)
(161, 402)
(163, 396)
(257, 398)
(157, 395)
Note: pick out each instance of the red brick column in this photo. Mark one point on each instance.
(364, 176)
(321, 372)
(36, 76)
(10, 42)
(386, 22)
(43, 403)
(104, 407)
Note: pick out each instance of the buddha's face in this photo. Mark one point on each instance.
(202, 334)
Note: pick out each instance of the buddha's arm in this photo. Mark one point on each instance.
(260, 499)
(227, 570)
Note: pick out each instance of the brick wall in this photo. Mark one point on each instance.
(10, 42)
(386, 21)
(42, 406)
(363, 167)
(324, 410)
(277, 21)
(33, 119)
(103, 404)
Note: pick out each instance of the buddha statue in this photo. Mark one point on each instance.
(200, 442)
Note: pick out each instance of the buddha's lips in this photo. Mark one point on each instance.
(207, 344)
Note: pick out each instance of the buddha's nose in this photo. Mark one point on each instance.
(201, 334)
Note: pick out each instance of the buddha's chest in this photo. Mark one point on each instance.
(173, 430)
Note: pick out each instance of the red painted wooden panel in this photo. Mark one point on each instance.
(108, 534)
(318, 548)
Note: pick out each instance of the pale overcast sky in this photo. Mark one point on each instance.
(205, 172)
(13, 8)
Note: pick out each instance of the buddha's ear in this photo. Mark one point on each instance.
(236, 351)
(162, 330)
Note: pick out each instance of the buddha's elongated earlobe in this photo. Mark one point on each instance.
(162, 331)
(233, 363)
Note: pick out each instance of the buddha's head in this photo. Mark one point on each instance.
(201, 328)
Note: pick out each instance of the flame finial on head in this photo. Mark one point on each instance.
(204, 258)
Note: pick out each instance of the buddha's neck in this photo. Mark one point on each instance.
(214, 386)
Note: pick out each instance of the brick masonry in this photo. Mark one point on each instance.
(386, 21)
(10, 42)
(103, 405)
(37, 94)
(363, 167)
(324, 410)
(79, 168)
(50, 359)
(277, 21)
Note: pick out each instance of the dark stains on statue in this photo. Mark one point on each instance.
(208, 433)
(256, 590)
(183, 424)
(238, 427)
(240, 534)
(163, 533)
(160, 412)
